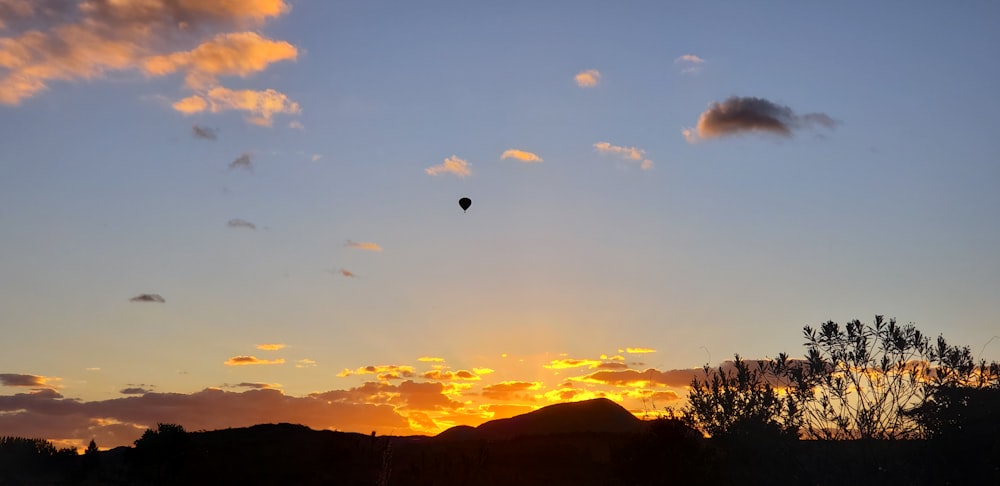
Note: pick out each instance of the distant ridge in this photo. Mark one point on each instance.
(599, 415)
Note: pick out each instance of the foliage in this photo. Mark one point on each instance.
(741, 401)
(865, 381)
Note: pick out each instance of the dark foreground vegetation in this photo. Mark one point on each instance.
(870, 404)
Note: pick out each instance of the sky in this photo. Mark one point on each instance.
(222, 213)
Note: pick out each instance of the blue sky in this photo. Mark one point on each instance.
(724, 243)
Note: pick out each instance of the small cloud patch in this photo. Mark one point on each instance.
(521, 155)
(242, 162)
(148, 298)
(451, 165)
(204, 133)
(252, 360)
(588, 79)
(241, 223)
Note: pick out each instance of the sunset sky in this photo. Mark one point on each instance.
(227, 212)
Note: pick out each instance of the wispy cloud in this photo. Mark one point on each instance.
(305, 363)
(404, 371)
(255, 385)
(134, 391)
(588, 78)
(346, 273)
(88, 40)
(450, 375)
(252, 360)
(148, 298)
(631, 154)
(639, 350)
(240, 223)
(689, 63)
(561, 364)
(451, 165)
(430, 359)
(242, 162)
(206, 133)
(521, 155)
(270, 346)
(363, 245)
(738, 115)
(316, 157)
(261, 106)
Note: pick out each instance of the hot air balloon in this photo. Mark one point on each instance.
(465, 203)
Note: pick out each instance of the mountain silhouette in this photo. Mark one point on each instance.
(599, 415)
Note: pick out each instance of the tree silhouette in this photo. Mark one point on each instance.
(741, 402)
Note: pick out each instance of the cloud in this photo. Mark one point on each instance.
(305, 363)
(639, 350)
(148, 298)
(15, 379)
(430, 359)
(450, 375)
(363, 245)
(346, 273)
(251, 360)
(69, 41)
(229, 54)
(689, 63)
(316, 157)
(204, 132)
(242, 162)
(526, 157)
(261, 105)
(240, 223)
(270, 346)
(482, 371)
(561, 364)
(451, 165)
(588, 78)
(296, 125)
(509, 390)
(255, 386)
(388, 371)
(738, 115)
(133, 391)
(632, 154)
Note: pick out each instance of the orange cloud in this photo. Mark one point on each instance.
(521, 155)
(482, 371)
(305, 363)
(509, 390)
(229, 54)
(430, 359)
(639, 350)
(561, 364)
(627, 153)
(588, 78)
(363, 245)
(270, 346)
(72, 41)
(451, 165)
(449, 375)
(395, 371)
(261, 105)
(252, 360)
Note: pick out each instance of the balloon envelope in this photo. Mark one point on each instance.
(465, 203)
